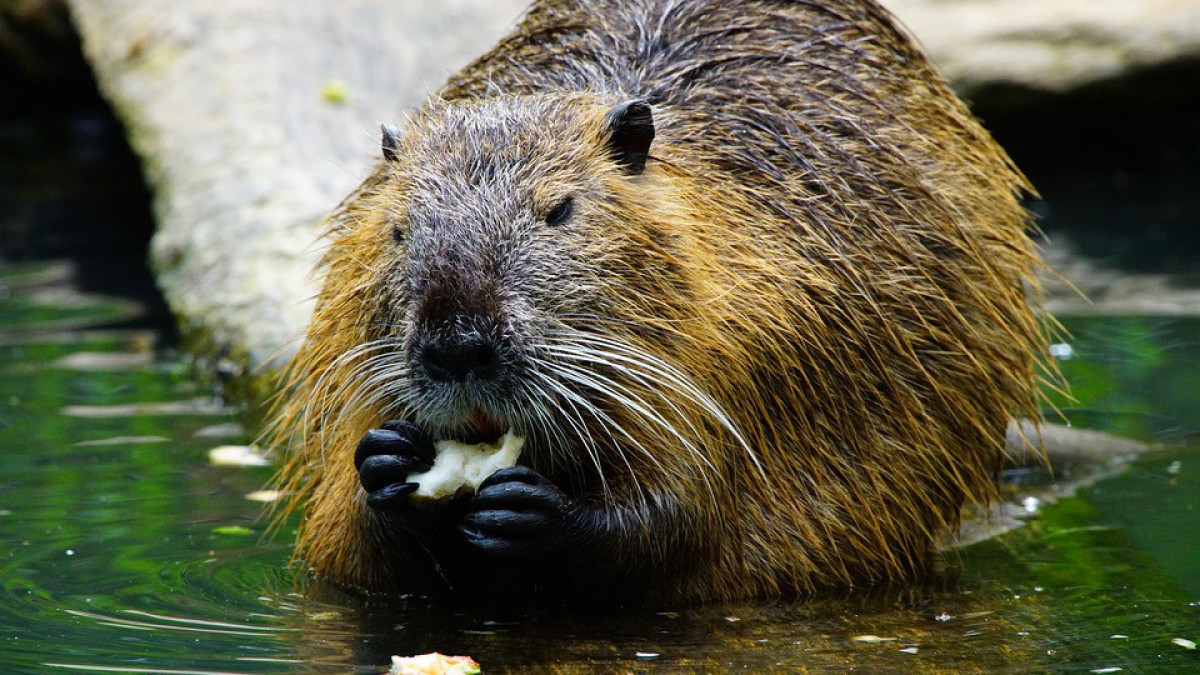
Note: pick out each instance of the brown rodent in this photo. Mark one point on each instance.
(750, 279)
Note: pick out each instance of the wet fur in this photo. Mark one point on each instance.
(825, 249)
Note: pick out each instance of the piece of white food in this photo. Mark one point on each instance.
(458, 465)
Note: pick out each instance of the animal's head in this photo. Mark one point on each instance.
(507, 222)
(514, 263)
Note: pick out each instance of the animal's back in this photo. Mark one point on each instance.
(821, 113)
(752, 85)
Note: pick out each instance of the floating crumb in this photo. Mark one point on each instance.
(976, 615)
(123, 440)
(235, 530)
(1182, 642)
(646, 656)
(106, 361)
(872, 639)
(223, 430)
(237, 455)
(909, 650)
(335, 91)
(1061, 351)
(265, 496)
(434, 664)
(1110, 669)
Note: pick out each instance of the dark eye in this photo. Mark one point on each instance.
(561, 212)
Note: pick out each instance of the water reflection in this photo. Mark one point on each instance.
(125, 549)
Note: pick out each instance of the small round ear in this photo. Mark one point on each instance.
(630, 132)
(391, 141)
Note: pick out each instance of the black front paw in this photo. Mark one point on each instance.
(516, 513)
(386, 456)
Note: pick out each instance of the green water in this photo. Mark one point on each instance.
(124, 549)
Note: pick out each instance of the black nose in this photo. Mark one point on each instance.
(459, 358)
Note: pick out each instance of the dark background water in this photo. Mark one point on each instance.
(124, 549)
(70, 186)
(1117, 165)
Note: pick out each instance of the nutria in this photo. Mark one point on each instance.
(752, 282)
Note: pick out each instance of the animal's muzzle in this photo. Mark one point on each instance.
(459, 356)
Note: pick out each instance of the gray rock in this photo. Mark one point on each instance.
(1050, 45)
(253, 119)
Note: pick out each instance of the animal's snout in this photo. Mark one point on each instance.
(458, 357)
(462, 332)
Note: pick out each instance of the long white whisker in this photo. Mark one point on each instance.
(587, 355)
(623, 352)
(375, 390)
(551, 432)
(577, 422)
(558, 437)
(609, 424)
(634, 403)
(321, 391)
(630, 399)
(344, 376)
(367, 379)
